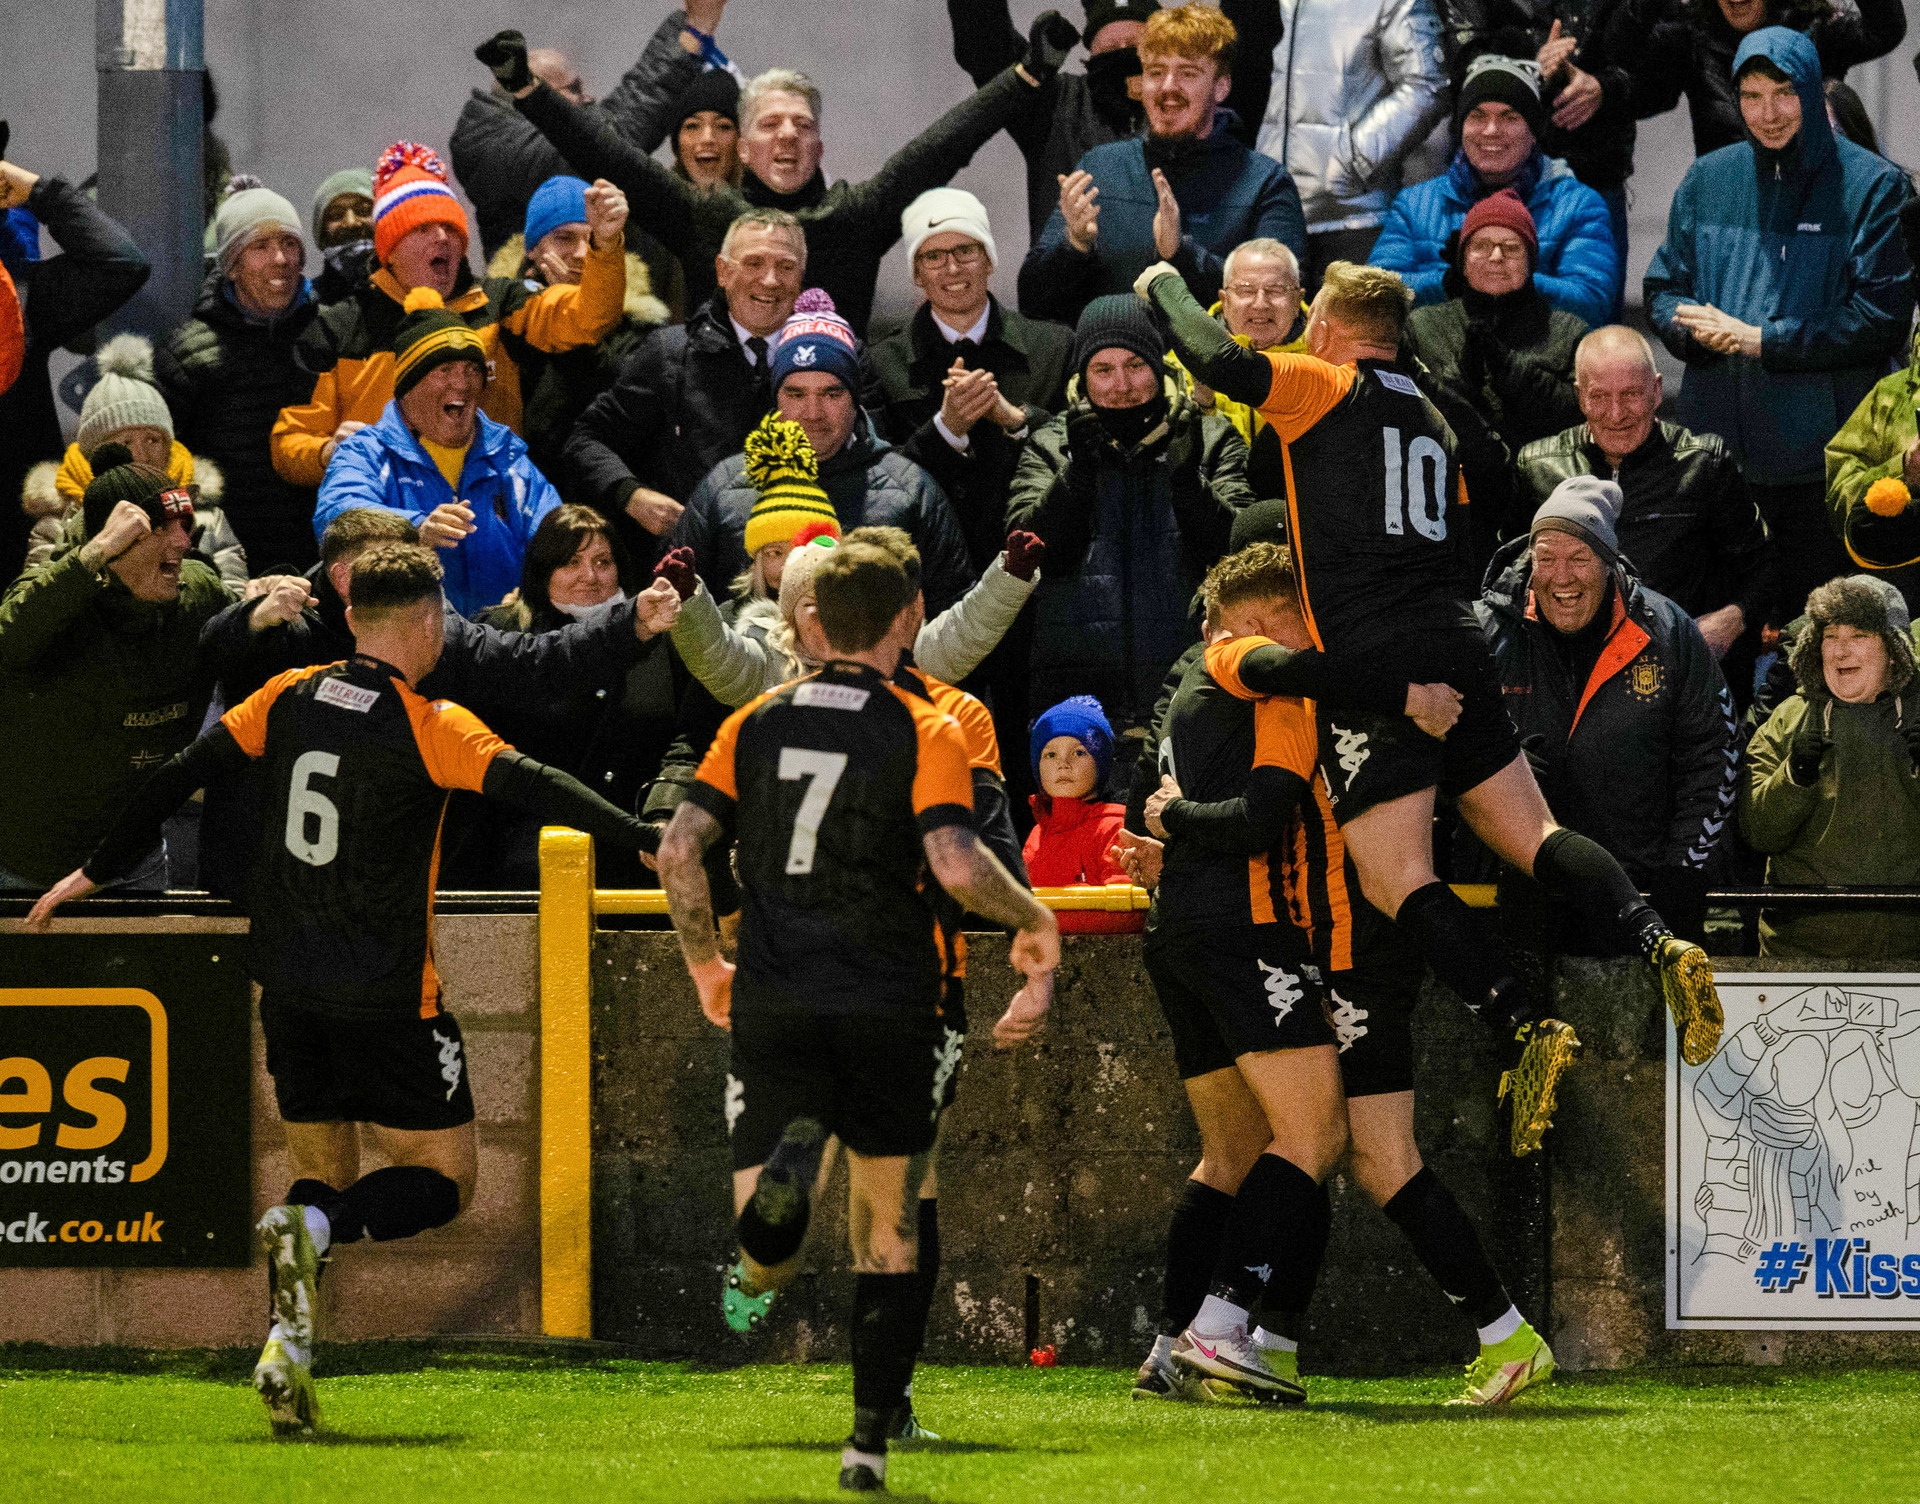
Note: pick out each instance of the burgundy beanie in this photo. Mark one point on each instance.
(1505, 210)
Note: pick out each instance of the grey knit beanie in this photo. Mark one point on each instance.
(1585, 507)
(243, 215)
(124, 396)
(347, 180)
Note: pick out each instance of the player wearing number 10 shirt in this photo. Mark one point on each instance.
(1376, 506)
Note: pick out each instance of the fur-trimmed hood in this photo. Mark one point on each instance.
(641, 305)
(49, 489)
(1867, 605)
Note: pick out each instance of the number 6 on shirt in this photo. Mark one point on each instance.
(824, 769)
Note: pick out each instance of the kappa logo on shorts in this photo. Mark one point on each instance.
(736, 1101)
(1283, 990)
(1350, 747)
(1349, 1022)
(449, 1062)
(946, 1057)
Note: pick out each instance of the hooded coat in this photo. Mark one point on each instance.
(1859, 821)
(1805, 243)
(1870, 446)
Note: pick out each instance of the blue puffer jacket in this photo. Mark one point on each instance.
(1578, 261)
(1805, 243)
(384, 466)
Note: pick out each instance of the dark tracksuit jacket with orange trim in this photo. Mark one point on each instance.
(358, 769)
(349, 349)
(1642, 750)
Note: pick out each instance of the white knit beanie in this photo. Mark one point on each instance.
(245, 214)
(124, 396)
(941, 209)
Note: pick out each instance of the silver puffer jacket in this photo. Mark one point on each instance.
(1357, 84)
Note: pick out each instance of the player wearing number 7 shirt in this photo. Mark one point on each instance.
(358, 767)
(1376, 507)
(841, 788)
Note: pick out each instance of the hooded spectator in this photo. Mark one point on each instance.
(1781, 343)
(1687, 48)
(1134, 492)
(100, 680)
(420, 241)
(849, 227)
(1618, 701)
(99, 268)
(814, 367)
(343, 233)
(1500, 118)
(1832, 796)
(1070, 751)
(552, 251)
(1187, 192)
(1687, 524)
(230, 367)
(435, 458)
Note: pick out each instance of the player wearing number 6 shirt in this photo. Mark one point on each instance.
(1375, 501)
(840, 788)
(358, 770)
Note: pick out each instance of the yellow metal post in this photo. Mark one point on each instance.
(566, 1083)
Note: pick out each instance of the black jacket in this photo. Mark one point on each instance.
(98, 269)
(1687, 47)
(1689, 526)
(226, 377)
(849, 226)
(1642, 750)
(1029, 360)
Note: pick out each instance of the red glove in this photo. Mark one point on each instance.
(1025, 552)
(677, 570)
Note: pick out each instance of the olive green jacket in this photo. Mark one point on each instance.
(1871, 445)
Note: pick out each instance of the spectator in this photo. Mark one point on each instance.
(343, 234)
(690, 394)
(1496, 357)
(1873, 469)
(463, 480)
(229, 369)
(1688, 525)
(1071, 750)
(1619, 703)
(1825, 318)
(1188, 192)
(1688, 46)
(849, 226)
(98, 269)
(1074, 112)
(1261, 307)
(1500, 119)
(967, 378)
(99, 678)
(706, 130)
(1831, 796)
(610, 733)
(1134, 492)
(552, 252)
(1847, 114)
(125, 409)
(420, 240)
(815, 368)
(1364, 83)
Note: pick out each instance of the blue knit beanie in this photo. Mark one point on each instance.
(556, 202)
(1082, 719)
(816, 339)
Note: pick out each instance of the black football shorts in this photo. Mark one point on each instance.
(401, 1072)
(1232, 990)
(1373, 1025)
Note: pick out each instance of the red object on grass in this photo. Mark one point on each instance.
(1044, 1357)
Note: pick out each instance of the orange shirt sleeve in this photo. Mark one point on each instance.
(455, 744)
(716, 768)
(246, 723)
(1285, 736)
(1305, 389)
(1224, 660)
(975, 722)
(943, 776)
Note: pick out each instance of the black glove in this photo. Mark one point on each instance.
(1679, 896)
(1183, 460)
(1809, 745)
(1049, 41)
(505, 52)
(1086, 434)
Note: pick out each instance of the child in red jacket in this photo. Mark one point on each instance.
(1072, 750)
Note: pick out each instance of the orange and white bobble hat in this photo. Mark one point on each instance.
(410, 190)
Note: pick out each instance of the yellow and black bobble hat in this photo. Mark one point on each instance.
(782, 468)
(430, 336)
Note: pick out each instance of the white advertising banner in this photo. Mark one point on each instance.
(1793, 1175)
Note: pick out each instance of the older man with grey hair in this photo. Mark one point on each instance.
(1688, 524)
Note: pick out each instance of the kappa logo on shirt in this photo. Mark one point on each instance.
(1283, 990)
(346, 696)
(449, 1062)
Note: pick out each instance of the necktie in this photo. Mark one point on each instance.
(759, 348)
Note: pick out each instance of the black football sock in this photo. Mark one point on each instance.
(774, 1222)
(396, 1202)
(1445, 1241)
(925, 1277)
(1468, 955)
(771, 1243)
(1193, 1248)
(1302, 1249)
(1581, 873)
(886, 1327)
(1277, 1230)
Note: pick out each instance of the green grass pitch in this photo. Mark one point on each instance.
(424, 1423)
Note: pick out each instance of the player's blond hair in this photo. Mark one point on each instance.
(1366, 300)
(860, 589)
(390, 578)
(1259, 572)
(1195, 31)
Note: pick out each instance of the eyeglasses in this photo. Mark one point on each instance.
(1264, 292)
(961, 255)
(1482, 249)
